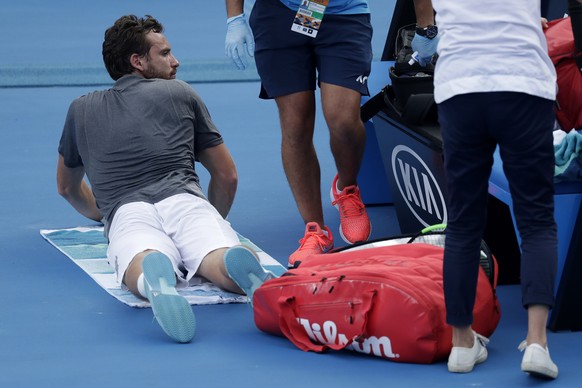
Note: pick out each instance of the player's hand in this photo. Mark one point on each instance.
(239, 41)
(425, 48)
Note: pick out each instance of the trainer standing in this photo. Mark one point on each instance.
(297, 45)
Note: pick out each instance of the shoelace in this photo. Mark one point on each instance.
(350, 204)
(484, 340)
(312, 241)
(523, 345)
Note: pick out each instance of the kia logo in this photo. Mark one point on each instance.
(418, 187)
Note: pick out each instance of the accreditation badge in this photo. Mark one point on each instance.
(309, 16)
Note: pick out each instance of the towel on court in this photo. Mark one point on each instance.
(87, 247)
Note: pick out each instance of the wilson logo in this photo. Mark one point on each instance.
(418, 187)
(327, 334)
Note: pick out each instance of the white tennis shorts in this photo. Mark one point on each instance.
(184, 227)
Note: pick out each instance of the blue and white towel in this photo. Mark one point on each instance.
(87, 247)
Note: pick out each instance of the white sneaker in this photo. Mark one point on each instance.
(536, 361)
(462, 360)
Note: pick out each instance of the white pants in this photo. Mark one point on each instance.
(184, 227)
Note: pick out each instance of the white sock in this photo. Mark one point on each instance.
(337, 189)
(141, 286)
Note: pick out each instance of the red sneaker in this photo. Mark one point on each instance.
(354, 222)
(314, 241)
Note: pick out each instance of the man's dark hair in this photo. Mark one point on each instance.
(127, 36)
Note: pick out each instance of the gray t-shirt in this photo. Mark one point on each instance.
(138, 141)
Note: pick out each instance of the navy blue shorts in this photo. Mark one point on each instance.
(289, 62)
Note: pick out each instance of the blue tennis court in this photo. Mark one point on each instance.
(58, 328)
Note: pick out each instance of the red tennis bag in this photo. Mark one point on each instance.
(384, 301)
(562, 51)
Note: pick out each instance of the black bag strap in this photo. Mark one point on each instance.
(371, 107)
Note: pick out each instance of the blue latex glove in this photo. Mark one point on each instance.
(239, 35)
(425, 48)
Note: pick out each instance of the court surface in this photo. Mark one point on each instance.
(59, 329)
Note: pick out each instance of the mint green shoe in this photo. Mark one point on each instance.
(171, 310)
(244, 268)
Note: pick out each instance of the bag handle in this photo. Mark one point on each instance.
(296, 330)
